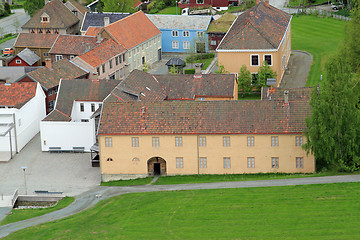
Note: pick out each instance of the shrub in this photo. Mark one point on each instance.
(189, 71)
(195, 57)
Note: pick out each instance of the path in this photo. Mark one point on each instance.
(7, 23)
(90, 198)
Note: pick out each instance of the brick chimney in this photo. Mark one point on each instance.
(267, 3)
(198, 73)
(286, 97)
(48, 63)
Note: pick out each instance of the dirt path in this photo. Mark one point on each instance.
(298, 70)
(90, 198)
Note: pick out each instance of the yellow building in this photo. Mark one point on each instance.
(142, 138)
(261, 34)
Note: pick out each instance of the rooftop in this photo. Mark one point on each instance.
(95, 19)
(73, 44)
(222, 24)
(28, 56)
(32, 40)
(16, 94)
(194, 22)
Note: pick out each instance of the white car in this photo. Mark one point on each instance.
(336, 6)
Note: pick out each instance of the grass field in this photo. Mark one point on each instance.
(328, 211)
(131, 182)
(170, 10)
(319, 36)
(22, 214)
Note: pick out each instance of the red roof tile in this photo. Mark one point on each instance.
(17, 94)
(73, 44)
(32, 40)
(93, 31)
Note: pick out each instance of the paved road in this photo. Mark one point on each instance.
(90, 198)
(8, 23)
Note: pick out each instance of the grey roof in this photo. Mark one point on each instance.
(180, 21)
(28, 56)
(176, 62)
(95, 19)
(11, 74)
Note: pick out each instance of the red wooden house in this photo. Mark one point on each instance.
(25, 58)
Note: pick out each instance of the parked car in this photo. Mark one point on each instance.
(8, 52)
(337, 5)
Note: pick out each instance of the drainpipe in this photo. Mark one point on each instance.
(11, 155)
(198, 159)
(16, 143)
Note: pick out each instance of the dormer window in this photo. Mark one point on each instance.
(74, 12)
(44, 19)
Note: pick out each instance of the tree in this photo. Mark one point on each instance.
(32, 6)
(244, 81)
(333, 131)
(100, 6)
(7, 8)
(264, 72)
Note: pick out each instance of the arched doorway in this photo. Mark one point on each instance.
(156, 166)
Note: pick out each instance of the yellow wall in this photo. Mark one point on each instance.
(232, 61)
(123, 154)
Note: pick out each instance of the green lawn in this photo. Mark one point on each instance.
(22, 214)
(132, 182)
(327, 211)
(319, 36)
(170, 10)
(295, 3)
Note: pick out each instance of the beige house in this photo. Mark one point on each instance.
(261, 34)
(142, 138)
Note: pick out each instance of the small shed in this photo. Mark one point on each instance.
(175, 65)
(25, 58)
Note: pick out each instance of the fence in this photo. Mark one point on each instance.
(321, 12)
(14, 197)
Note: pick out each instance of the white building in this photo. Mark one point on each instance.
(70, 126)
(22, 106)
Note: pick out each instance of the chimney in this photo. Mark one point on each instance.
(267, 3)
(198, 73)
(286, 97)
(93, 75)
(106, 21)
(98, 37)
(87, 47)
(48, 63)
(251, 14)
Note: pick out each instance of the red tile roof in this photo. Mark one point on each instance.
(132, 30)
(294, 94)
(16, 94)
(73, 44)
(32, 40)
(79, 6)
(102, 53)
(260, 27)
(93, 31)
(203, 117)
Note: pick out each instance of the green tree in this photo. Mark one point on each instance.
(7, 8)
(333, 131)
(32, 6)
(100, 6)
(244, 81)
(264, 72)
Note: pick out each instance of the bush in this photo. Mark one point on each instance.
(189, 71)
(195, 57)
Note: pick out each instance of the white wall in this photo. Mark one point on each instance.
(67, 135)
(5, 117)
(77, 115)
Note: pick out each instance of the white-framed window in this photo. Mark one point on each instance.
(213, 42)
(186, 34)
(71, 57)
(200, 34)
(84, 120)
(250, 141)
(58, 57)
(81, 107)
(179, 162)
(178, 141)
(175, 44)
(110, 63)
(298, 141)
(201, 99)
(274, 162)
(199, 1)
(274, 141)
(93, 107)
(251, 162)
(18, 61)
(51, 104)
(155, 142)
(268, 59)
(174, 33)
(227, 162)
(135, 141)
(226, 141)
(108, 142)
(254, 60)
(103, 68)
(44, 19)
(203, 162)
(202, 141)
(299, 162)
(186, 44)
(46, 54)
(109, 160)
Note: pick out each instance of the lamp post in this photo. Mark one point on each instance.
(24, 170)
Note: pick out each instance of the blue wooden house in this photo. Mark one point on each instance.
(182, 33)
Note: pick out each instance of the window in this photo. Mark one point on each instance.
(174, 33)
(274, 141)
(56, 31)
(179, 162)
(143, 60)
(200, 34)
(186, 44)
(250, 141)
(44, 19)
(251, 162)
(84, 120)
(103, 68)
(202, 99)
(50, 92)
(48, 31)
(155, 142)
(98, 70)
(123, 57)
(275, 162)
(110, 63)
(108, 142)
(116, 61)
(299, 141)
(226, 141)
(175, 44)
(40, 30)
(71, 57)
(186, 33)
(299, 162)
(203, 162)
(254, 60)
(51, 105)
(199, 1)
(202, 141)
(81, 107)
(135, 142)
(109, 160)
(112, 76)
(18, 61)
(268, 59)
(32, 30)
(178, 141)
(46, 54)
(213, 42)
(93, 107)
(58, 57)
(226, 162)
